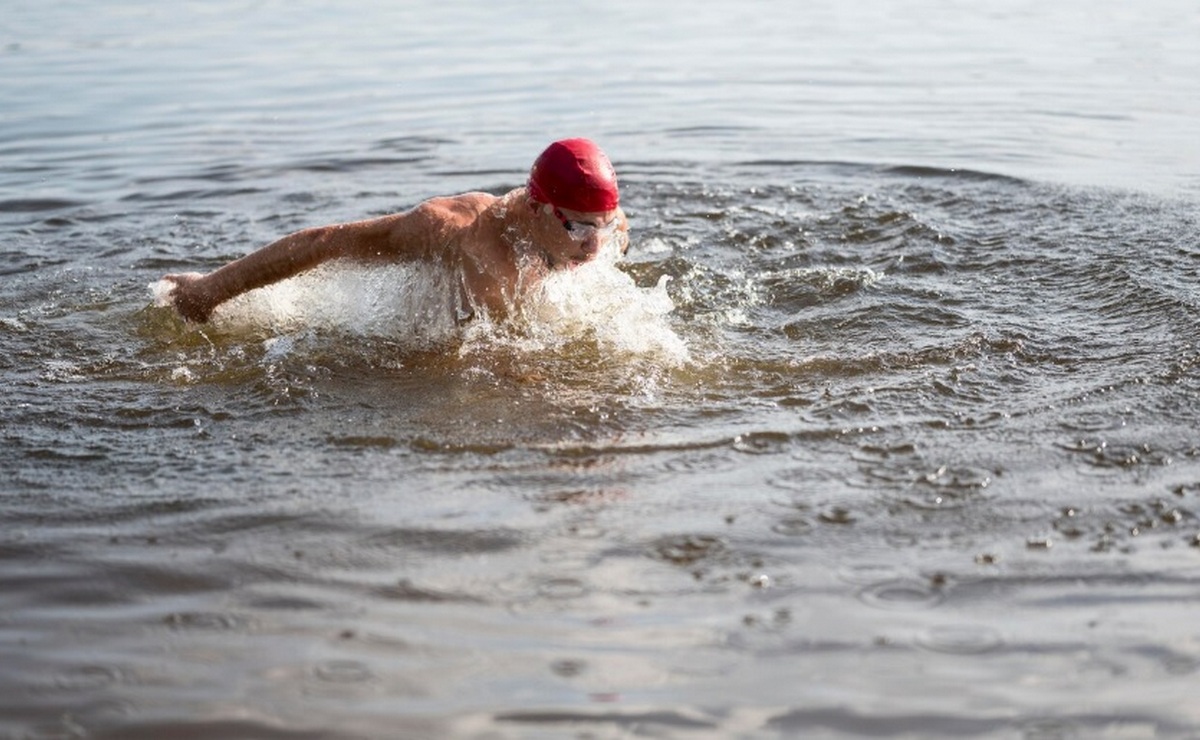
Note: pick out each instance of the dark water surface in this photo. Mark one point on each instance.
(885, 427)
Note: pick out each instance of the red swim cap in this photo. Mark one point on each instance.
(574, 174)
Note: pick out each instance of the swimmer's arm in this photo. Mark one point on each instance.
(195, 296)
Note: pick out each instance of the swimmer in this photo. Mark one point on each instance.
(499, 246)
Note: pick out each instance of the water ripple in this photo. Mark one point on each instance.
(446, 541)
(902, 594)
(87, 678)
(960, 639)
(205, 621)
(342, 671)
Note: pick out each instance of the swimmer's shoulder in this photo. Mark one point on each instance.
(437, 227)
(459, 209)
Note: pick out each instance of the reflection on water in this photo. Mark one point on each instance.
(838, 450)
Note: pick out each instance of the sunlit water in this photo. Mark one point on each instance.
(884, 427)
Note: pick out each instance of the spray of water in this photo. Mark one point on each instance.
(412, 303)
(419, 306)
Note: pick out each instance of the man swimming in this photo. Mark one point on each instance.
(500, 246)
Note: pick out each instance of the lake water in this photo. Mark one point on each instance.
(885, 427)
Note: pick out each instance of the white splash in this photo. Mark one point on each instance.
(412, 303)
(419, 306)
(599, 301)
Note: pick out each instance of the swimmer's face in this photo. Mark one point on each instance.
(583, 234)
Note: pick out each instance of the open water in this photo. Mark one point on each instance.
(885, 427)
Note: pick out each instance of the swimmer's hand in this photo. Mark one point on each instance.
(190, 297)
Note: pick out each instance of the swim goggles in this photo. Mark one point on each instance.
(580, 230)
